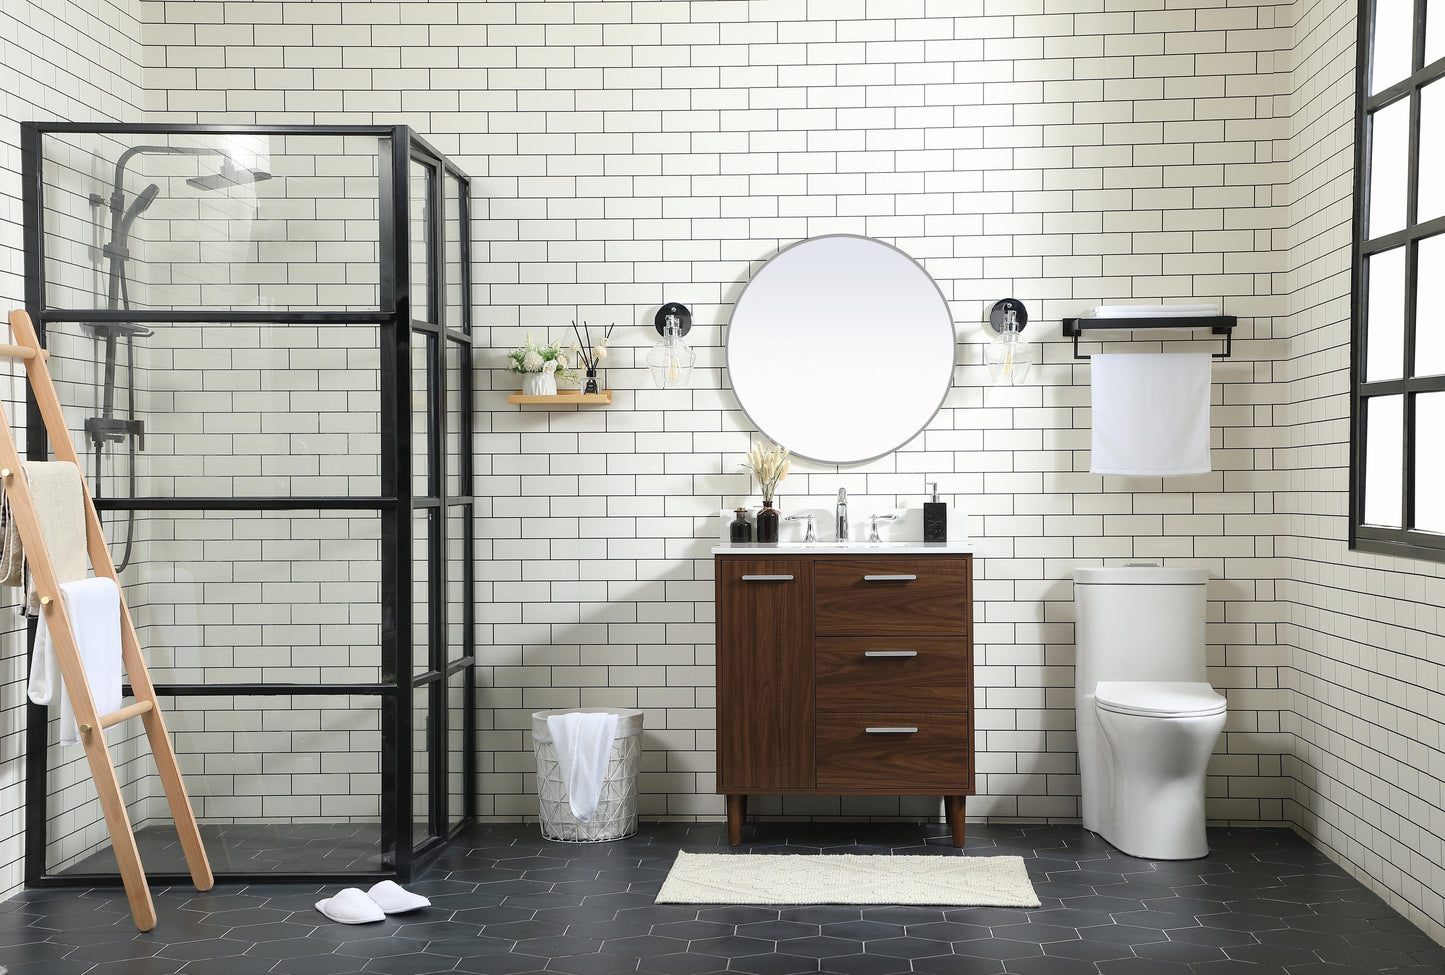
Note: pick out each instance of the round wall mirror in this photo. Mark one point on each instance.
(841, 348)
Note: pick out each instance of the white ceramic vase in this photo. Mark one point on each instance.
(539, 383)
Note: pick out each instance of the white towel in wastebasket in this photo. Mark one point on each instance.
(584, 746)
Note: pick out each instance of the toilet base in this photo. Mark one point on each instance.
(1156, 766)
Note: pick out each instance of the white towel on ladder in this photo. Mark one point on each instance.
(93, 606)
(1150, 414)
(584, 747)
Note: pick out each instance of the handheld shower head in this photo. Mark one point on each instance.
(139, 205)
(230, 175)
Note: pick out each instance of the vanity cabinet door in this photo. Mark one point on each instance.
(765, 674)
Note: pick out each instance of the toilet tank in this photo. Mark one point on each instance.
(1139, 623)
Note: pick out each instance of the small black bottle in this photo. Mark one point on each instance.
(740, 530)
(935, 518)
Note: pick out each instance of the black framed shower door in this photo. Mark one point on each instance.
(410, 699)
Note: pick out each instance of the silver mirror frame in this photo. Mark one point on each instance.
(770, 426)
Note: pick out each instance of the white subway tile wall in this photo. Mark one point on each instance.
(626, 154)
(1363, 698)
(630, 153)
(78, 61)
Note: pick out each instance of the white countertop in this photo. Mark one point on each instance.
(845, 548)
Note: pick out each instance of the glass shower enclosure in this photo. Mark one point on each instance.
(262, 340)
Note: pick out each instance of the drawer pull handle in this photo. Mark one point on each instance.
(897, 578)
(890, 653)
(891, 731)
(767, 578)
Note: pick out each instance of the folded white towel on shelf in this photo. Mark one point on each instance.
(1150, 414)
(93, 606)
(1155, 311)
(584, 747)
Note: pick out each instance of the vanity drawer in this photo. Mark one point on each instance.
(891, 596)
(904, 752)
(906, 673)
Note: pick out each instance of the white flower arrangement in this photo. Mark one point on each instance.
(532, 357)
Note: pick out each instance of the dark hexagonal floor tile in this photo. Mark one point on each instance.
(1035, 932)
(777, 930)
(588, 910)
(730, 946)
(1180, 951)
(773, 963)
(862, 930)
(956, 965)
(642, 946)
(409, 964)
(909, 947)
(999, 948)
(681, 964)
(215, 948)
(821, 947)
(1051, 965)
(866, 964)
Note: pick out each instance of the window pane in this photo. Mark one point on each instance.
(1429, 463)
(1385, 316)
(1389, 169)
(1384, 456)
(1432, 151)
(1390, 59)
(1430, 308)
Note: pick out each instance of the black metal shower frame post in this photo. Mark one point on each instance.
(443, 508)
(393, 506)
(37, 445)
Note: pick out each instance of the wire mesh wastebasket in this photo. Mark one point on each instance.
(616, 815)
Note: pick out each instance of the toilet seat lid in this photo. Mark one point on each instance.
(1165, 699)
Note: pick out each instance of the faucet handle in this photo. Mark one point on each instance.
(873, 529)
(811, 533)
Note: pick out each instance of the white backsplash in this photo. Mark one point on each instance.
(908, 527)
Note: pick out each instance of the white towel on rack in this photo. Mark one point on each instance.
(1153, 311)
(1151, 414)
(584, 747)
(93, 606)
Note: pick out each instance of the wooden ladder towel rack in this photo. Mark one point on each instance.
(91, 724)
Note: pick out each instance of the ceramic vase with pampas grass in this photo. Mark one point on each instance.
(769, 466)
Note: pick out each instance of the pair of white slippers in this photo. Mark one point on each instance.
(355, 906)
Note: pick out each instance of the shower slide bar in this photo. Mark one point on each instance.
(91, 723)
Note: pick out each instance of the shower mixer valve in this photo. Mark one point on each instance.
(112, 429)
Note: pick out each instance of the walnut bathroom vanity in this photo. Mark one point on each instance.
(844, 673)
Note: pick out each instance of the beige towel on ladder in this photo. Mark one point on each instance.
(59, 499)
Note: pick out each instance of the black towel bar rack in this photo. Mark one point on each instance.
(1218, 324)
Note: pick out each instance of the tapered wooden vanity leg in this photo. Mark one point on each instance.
(953, 810)
(737, 812)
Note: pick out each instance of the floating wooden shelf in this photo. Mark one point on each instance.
(564, 399)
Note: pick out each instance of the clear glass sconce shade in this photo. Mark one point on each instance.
(1009, 358)
(670, 360)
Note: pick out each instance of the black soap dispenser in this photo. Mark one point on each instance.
(935, 518)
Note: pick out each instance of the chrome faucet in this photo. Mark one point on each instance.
(873, 532)
(842, 514)
(811, 535)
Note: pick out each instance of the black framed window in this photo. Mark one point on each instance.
(1397, 467)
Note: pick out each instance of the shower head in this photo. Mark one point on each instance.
(230, 175)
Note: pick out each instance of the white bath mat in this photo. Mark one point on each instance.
(960, 881)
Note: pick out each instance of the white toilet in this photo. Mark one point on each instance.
(1147, 718)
